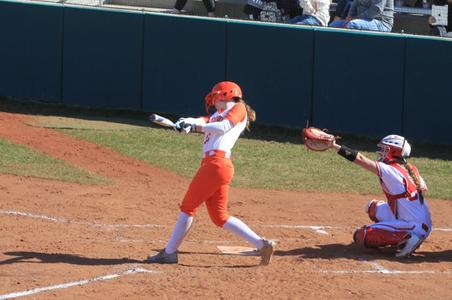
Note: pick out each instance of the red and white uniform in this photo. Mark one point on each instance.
(404, 212)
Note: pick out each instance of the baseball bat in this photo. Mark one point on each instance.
(161, 121)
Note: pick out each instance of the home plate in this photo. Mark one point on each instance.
(237, 250)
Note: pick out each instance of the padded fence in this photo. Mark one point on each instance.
(103, 54)
(183, 58)
(428, 90)
(364, 83)
(358, 82)
(30, 51)
(273, 65)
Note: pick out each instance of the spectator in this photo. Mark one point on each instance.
(342, 9)
(272, 10)
(315, 12)
(444, 30)
(375, 15)
(209, 4)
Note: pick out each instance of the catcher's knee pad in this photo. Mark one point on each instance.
(371, 209)
(370, 237)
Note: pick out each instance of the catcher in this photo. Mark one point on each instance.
(402, 222)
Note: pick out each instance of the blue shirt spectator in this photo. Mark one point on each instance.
(375, 15)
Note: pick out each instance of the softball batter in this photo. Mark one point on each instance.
(404, 221)
(228, 116)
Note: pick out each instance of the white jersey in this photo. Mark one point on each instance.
(224, 141)
(408, 209)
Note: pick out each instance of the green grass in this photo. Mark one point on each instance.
(266, 164)
(21, 161)
(268, 157)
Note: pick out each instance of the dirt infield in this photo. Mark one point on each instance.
(69, 241)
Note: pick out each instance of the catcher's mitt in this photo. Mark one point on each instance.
(316, 139)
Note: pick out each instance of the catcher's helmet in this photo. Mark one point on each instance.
(393, 147)
(223, 91)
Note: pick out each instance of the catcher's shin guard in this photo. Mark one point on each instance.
(369, 237)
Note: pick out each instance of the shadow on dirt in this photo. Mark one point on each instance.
(219, 267)
(39, 257)
(352, 252)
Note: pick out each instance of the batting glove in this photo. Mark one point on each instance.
(178, 124)
(185, 127)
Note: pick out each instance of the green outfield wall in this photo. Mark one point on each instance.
(183, 58)
(364, 83)
(358, 80)
(102, 58)
(31, 50)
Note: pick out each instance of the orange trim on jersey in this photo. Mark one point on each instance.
(205, 118)
(236, 114)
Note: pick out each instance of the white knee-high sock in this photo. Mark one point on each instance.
(236, 226)
(181, 228)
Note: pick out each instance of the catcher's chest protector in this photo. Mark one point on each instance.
(411, 191)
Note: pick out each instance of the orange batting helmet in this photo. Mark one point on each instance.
(223, 91)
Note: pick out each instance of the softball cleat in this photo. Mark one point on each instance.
(411, 245)
(267, 251)
(163, 258)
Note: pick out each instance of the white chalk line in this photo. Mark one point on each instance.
(317, 228)
(443, 229)
(75, 283)
(321, 229)
(389, 272)
(379, 269)
(66, 221)
(125, 240)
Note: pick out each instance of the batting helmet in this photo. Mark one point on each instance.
(393, 147)
(223, 91)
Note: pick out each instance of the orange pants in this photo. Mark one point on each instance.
(210, 185)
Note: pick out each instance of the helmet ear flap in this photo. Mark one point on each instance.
(209, 102)
(406, 149)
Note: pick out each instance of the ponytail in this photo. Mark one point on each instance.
(415, 178)
(250, 112)
(413, 175)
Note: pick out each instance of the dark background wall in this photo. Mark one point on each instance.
(428, 90)
(31, 50)
(358, 82)
(103, 55)
(365, 83)
(273, 65)
(183, 58)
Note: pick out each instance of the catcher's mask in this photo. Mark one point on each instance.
(393, 147)
(223, 91)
